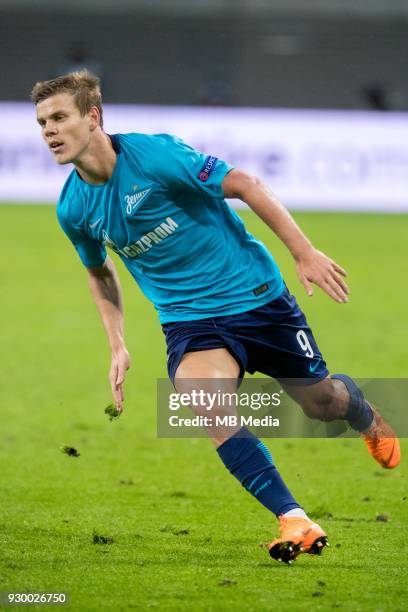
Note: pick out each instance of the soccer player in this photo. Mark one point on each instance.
(220, 296)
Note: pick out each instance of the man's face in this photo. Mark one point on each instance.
(64, 129)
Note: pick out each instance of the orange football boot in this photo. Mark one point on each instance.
(382, 442)
(297, 535)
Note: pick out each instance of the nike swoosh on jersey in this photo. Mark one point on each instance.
(313, 367)
(92, 225)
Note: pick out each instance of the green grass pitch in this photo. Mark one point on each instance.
(180, 532)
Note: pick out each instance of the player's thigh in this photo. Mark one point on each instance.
(213, 363)
(211, 373)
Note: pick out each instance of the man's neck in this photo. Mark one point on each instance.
(97, 163)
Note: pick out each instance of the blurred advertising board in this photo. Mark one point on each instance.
(312, 159)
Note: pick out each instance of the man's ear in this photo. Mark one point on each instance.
(95, 117)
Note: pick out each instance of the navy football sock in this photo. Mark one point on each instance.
(248, 459)
(359, 414)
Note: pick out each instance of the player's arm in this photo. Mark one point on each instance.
(107, 295)
(312, 265)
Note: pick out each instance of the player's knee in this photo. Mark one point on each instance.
(207, 398)
(324, 404)
(191, 395)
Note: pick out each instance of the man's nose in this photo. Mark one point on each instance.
(50, 129)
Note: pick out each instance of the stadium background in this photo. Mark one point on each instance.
(157, 499)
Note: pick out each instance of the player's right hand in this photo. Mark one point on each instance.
(119, 366)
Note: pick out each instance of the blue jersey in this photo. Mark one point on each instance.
(163, 212)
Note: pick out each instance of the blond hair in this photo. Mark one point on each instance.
(83, 85)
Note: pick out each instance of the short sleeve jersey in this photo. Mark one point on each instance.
(163, 212)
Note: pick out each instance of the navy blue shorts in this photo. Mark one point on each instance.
(274, 339)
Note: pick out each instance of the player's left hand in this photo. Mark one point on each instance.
(313, 266)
